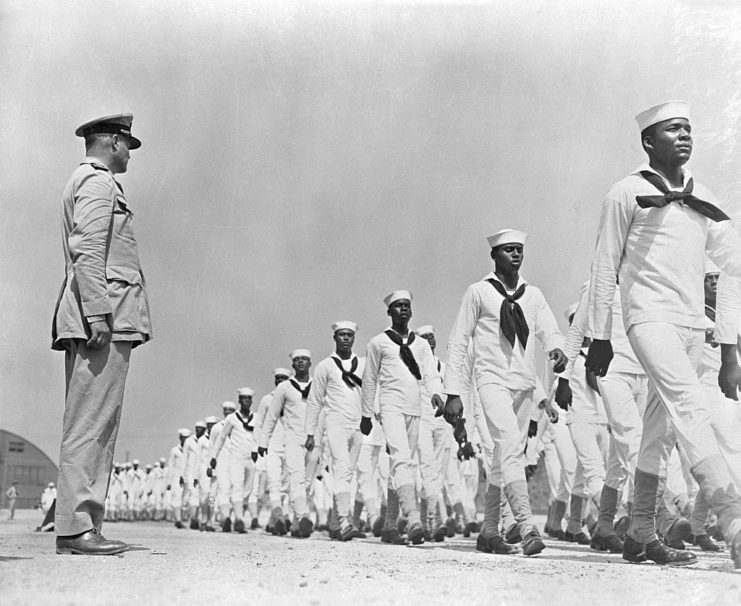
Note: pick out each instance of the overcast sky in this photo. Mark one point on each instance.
(301, 160)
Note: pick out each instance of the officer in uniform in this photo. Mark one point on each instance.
(101, 314)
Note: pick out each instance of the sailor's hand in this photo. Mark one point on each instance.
(459, 431)
(438, 405)
(551, 412)
(466, 452)
(559, 360)
(563, 395)
(729, 375)
(366, 425)
(599, 356)
(453, 409)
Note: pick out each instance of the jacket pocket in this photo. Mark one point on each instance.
(127, 298)
(123, 274)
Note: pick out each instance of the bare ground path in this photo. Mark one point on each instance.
(184, 567)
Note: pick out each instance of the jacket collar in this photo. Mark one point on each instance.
(95, 163)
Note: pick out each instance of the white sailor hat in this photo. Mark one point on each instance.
(396, 296)
(245, 391)
(507, 236)
(211, 420)
(163, 460)
(570, 310)
(344, 325)
(118, 124)
(183, 432)
(117, 464)
(710, 267)
(127, 464)
(663, 111)
(280, 371)
(230, 405)
(300, 353)
(148, 466)
(201, 424)
(135, 462)
(50, 485)
(427, 329)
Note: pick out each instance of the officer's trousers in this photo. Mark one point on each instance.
(95, 381)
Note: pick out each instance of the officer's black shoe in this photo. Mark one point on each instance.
(89, 543)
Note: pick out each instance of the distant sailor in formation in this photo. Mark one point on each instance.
(497, 316)
(397, 365)
(336, 389)
(643, 457)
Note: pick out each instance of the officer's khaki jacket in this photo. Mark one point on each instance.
(103, 274)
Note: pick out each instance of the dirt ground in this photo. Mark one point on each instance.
(171, 566)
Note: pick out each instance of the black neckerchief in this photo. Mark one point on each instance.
(511, 317)
(304, 392)
(706, 209)
(405, 352)
(348, 376)
(245, 424)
